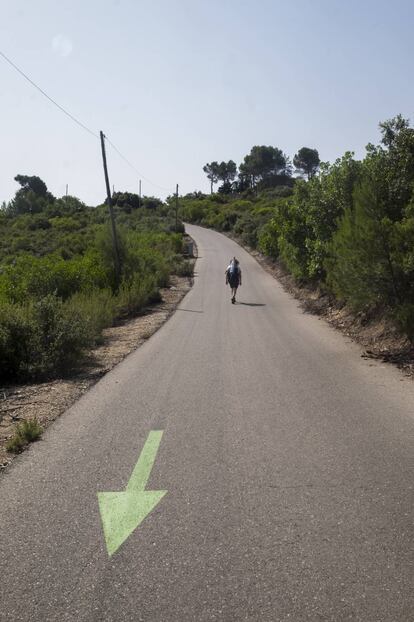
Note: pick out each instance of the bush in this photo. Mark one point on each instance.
(61, 336)
(246, 228)
(42, 338)
(268, 239)
(17, 329)
(97, 309)
(137, 292)
(362, 267)
(34, 277)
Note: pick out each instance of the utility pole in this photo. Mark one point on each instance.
(139, 195)
(176, 209)
(66, 192)
(111, 213)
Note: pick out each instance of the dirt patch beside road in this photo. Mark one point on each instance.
(47, 400)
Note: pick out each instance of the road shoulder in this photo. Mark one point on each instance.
(378, 336)
(46, 401)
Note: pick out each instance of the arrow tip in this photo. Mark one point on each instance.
(122, 512)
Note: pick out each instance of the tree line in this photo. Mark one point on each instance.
(347, 227)
(264, 167)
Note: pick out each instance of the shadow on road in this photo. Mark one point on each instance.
(251, 304)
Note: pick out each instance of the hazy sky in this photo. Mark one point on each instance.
(178, 83)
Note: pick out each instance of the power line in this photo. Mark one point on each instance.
(87, 129)
(135, 169)
(47, 96)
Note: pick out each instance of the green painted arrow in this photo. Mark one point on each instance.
(122, 512)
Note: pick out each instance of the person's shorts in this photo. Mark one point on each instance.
(234, 281)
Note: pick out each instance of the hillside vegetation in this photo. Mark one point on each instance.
(58, 287)
(348, 227)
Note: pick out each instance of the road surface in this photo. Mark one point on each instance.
(287, 459)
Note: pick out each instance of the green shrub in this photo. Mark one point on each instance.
(138, 291)
(361, 268)
(246, 229)
(38, 277)
(60, 337)
(268, 239)
(97, 309)
(17, 330)
(41, 338)
(293, 238)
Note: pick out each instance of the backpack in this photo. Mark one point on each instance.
(234, 270)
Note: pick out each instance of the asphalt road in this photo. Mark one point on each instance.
(288, 461)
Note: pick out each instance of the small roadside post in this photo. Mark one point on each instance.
(176, 209)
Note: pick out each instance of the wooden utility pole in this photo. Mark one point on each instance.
(66, 192)
(111, 213)
(176, 209)
(139, 195)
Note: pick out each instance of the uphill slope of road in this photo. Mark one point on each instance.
(288, 462)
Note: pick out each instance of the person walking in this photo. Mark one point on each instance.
(233, 277)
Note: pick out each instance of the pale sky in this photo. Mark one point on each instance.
(178, 83)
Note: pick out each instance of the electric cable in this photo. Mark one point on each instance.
(48, 97)
(135, 168)
(82, 125)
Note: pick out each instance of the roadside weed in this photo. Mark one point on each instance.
(26, 432)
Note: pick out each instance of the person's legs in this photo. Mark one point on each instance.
(233, 286)
(231, 289)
